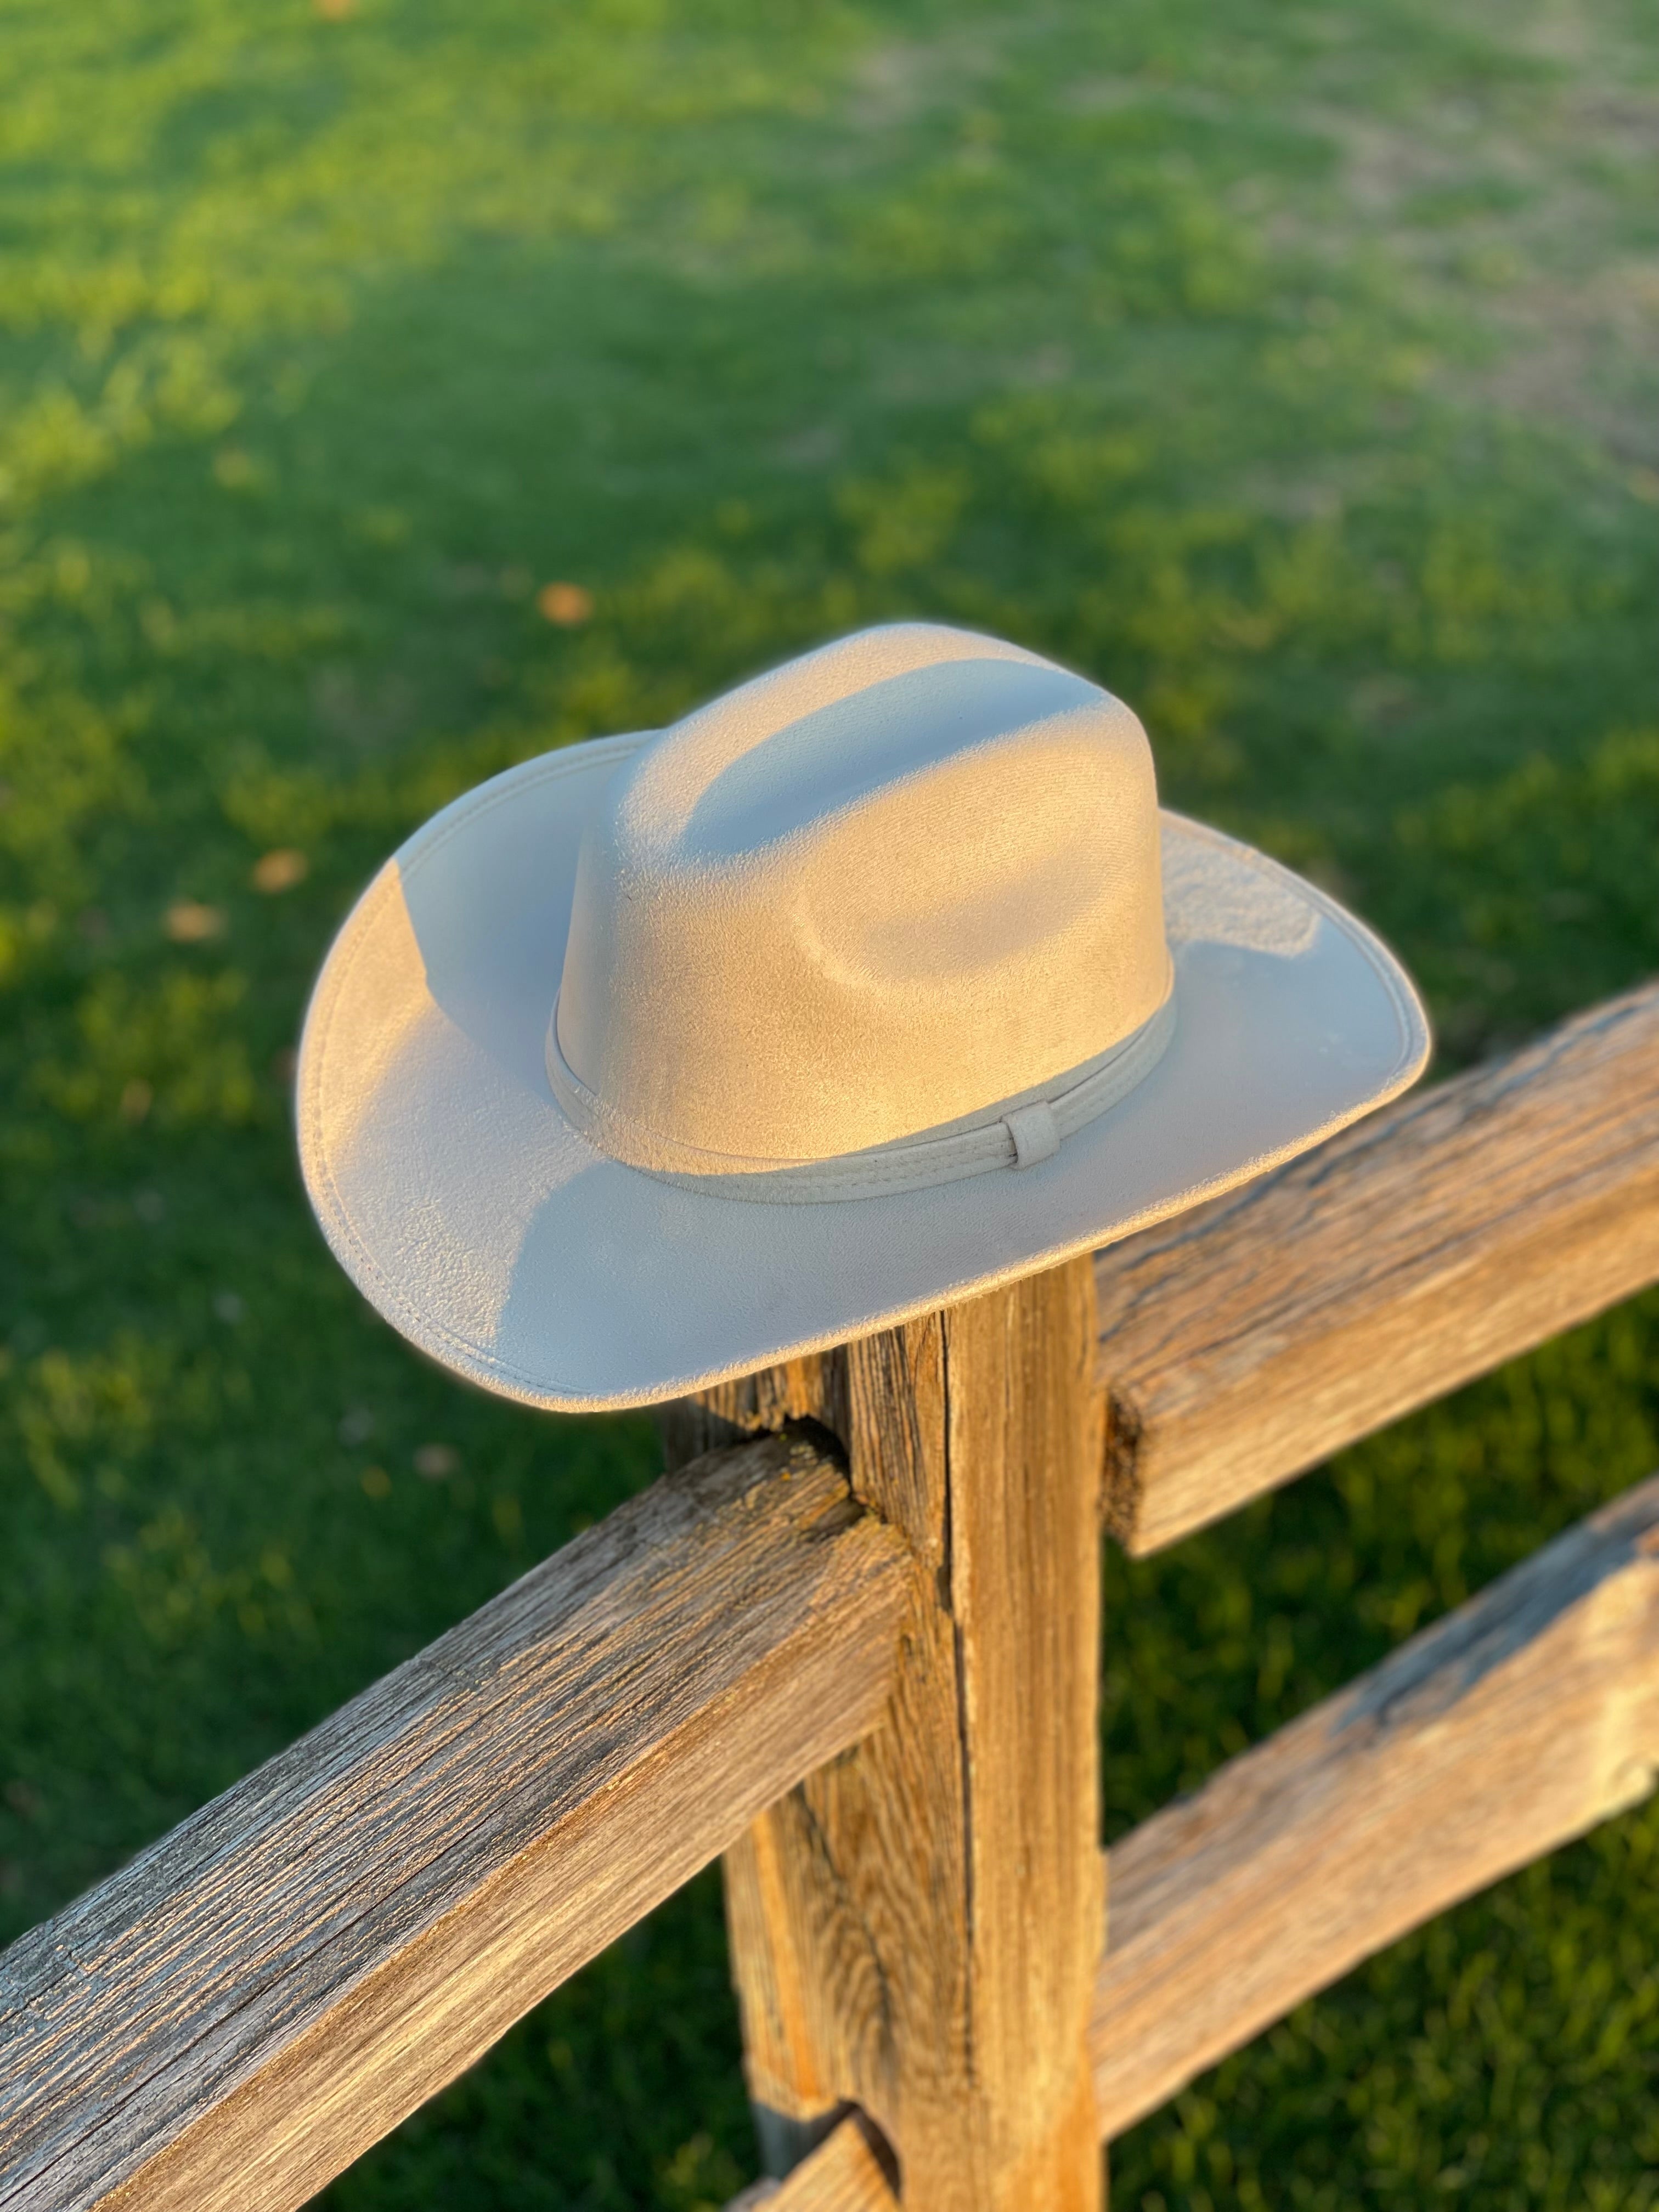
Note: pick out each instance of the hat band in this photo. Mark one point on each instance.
(1018, 1133)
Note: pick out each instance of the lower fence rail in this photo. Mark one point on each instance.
(1524, 1719)
(845, 2173)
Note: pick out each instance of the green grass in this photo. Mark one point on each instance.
(1288, 363)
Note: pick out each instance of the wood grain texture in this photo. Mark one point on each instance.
(1517, 1722)
(843, 2174)
(1245, 1341)
(234, 2016)
(914, 1927)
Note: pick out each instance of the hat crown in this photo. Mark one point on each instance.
(881, 890)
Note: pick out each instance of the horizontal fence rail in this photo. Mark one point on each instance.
(1513, 1725)
(844, 2174)
(231, 2019)
(1246, 1340)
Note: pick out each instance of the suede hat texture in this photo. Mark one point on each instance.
(877, 982)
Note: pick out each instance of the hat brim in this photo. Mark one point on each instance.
(481, 1225)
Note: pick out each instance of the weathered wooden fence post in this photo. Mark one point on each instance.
(915, 1928)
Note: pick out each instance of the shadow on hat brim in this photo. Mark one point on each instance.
(481, 1225)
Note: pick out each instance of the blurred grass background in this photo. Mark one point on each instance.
(1289, 364)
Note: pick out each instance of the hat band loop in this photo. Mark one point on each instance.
(1019, 1133)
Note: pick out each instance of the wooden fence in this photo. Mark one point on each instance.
(850, 1641)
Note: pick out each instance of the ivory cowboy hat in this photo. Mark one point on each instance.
(877, 982)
